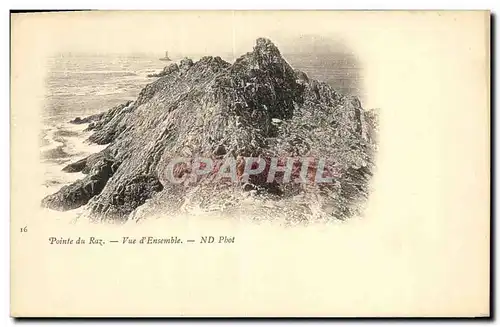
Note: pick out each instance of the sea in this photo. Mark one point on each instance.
(78, 85)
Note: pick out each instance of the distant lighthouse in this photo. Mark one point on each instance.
(166, 58)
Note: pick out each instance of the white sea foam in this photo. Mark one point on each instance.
(78, 145)
(70, 139)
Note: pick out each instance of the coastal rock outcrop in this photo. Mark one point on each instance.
(80, 192)
(182, 67)
(259, 106)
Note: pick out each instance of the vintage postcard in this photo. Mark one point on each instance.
(250, 164)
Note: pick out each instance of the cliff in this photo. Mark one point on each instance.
(257, 106)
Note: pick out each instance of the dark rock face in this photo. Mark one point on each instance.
(76, 166)
(182, 67)
(88, 119)
(111, 124)
(80, 192)
(258, 106)
(185, 64)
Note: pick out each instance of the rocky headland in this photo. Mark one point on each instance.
(259, 106)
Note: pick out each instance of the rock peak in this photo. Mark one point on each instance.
(257, 107)
(266, 46)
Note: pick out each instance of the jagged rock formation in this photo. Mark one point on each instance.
(371, 117)
(183, 66)
(80, 192)
(258, 106)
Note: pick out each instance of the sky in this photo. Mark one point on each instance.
(393, 48)
(184, 33)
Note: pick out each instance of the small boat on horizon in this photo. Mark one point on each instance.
(166, 58)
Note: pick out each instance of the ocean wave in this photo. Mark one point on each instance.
(149, 71)
(109, 91)
(140, 76)
(54, 154)
(95, 72)
(66, 141)
(50, 142)
(96, 90)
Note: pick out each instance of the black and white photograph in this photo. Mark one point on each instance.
(250, 163)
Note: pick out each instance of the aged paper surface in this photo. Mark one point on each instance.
(417, 244)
